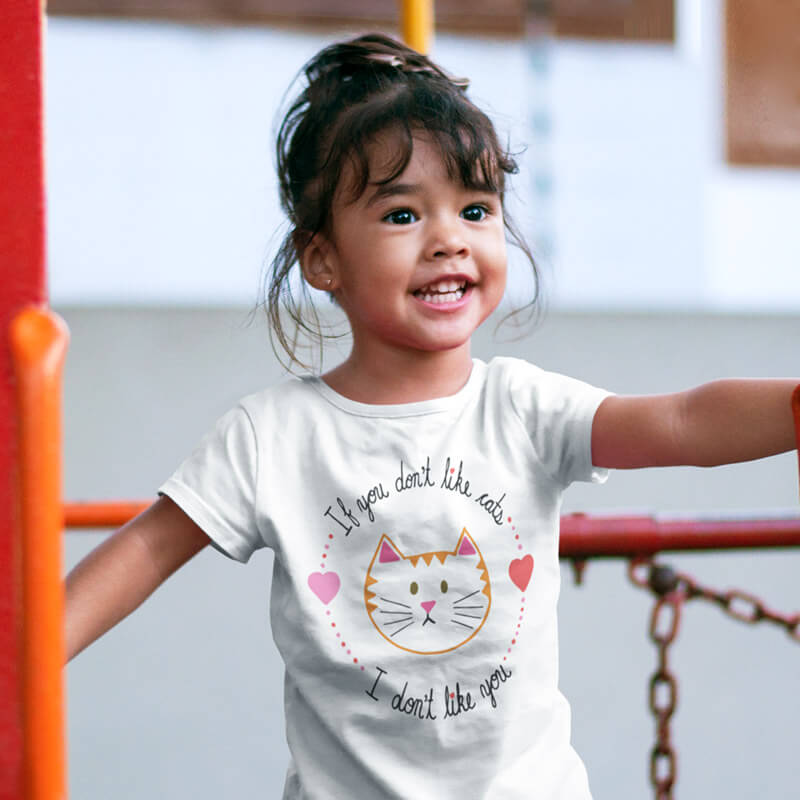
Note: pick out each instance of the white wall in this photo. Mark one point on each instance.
(161, 185)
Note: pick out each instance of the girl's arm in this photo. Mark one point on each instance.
(118, 575)
(718, 423)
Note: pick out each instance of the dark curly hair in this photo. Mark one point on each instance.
(354, 91)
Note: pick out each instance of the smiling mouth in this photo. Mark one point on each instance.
(447, 291)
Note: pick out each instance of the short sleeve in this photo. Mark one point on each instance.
(557, 412)
(216, 485)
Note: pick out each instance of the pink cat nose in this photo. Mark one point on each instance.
(428, 606)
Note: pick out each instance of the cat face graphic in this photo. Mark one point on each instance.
(428, 603)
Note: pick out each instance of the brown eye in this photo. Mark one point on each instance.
(414, 587)
(402, 216)
(475, 213)
(444, 587)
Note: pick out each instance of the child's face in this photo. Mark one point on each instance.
(418, 263)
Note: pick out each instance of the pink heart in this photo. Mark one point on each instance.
(325, 585)
(520, 570)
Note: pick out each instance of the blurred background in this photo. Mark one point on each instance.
(659, 147)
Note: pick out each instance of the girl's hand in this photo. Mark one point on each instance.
(118, 575)
(717, 423)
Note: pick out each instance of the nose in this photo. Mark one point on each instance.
(428, 605)
(446, 240)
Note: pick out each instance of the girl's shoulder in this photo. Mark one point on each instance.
(531, 390)
(292, 393)
(520, 372)
(512, 374)
(508, 366)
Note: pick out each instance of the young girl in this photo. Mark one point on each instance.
(412, 494)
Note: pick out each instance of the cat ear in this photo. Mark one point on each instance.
(388, 551)
(466, 545)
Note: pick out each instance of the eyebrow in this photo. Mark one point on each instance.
(393, 189)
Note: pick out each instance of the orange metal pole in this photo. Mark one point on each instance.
(417, 24)
(38, 346)
(102, 515)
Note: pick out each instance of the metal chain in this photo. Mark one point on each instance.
(672, 590)
(736, 603)
(664, 624)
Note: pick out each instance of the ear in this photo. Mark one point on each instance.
(318, 263)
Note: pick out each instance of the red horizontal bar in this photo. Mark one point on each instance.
(582, 536)
(796, 414)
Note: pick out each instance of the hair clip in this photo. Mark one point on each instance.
(388, 59)
(459, 83)
(400, 63)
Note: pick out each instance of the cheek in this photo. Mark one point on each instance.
(497, 257)
(502, 247)
(497, 272)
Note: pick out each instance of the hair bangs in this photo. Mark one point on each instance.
(359, 130)
(463, 135)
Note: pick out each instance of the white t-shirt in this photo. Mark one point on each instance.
(415, 577)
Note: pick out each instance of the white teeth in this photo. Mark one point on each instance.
(442, 287)
(444, 297)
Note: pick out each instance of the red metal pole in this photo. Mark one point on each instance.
(595, 537)
(581, 535)
(796, 413)
(22, 277)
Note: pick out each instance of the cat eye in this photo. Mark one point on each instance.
(414, 587)
(444, 587)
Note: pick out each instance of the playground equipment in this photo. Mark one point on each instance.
(32, 517)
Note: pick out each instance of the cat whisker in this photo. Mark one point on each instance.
(395, 621)
(463, 607)
(404, 613)
(466, 596)
(386, 600)
(463, 624)
(402, 629)
(471, 616)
